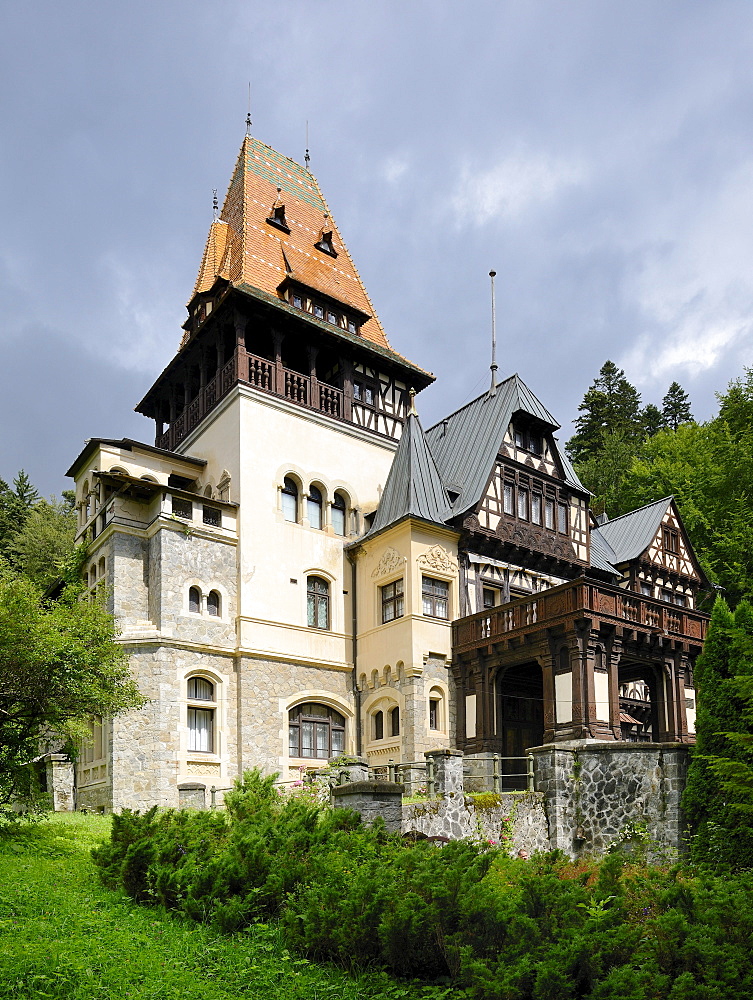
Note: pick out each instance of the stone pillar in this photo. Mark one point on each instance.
(60, 782)
(358, 771)
(371, 799)
(448, 771)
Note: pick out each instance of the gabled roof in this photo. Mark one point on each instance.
(630, 535)
(247, 249)
(466, 444)
(413, 487)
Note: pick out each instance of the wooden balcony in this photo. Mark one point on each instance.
(262, 374)
(579, 599)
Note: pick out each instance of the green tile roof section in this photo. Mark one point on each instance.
(466, 444)
(413, 487)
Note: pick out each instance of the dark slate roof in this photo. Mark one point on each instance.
(602, 555)
(630, 535)
(413, 486)
(466, 444)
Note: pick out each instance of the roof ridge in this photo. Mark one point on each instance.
(645, 506)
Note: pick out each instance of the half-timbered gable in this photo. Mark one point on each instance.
(650, 550)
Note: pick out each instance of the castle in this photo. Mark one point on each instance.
(300, 570)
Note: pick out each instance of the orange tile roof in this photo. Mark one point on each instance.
(246, 249)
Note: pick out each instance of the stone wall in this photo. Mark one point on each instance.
(601, 794)
(372, 799)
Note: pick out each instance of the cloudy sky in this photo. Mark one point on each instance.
(598, 155)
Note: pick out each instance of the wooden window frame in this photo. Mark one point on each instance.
(317, 602)
(392, 596)
(333, 722)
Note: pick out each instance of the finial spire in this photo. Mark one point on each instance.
(493, 366)
(248, 114)
(412, 411)
(307, 158)
(215, 204)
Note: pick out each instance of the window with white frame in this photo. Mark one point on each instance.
(201, 715)
(289, 500)
(339, 509)
(314, 507)
(435, 597)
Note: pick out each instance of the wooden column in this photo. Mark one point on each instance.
(313, 381)
(546, 662)
(613, 654)
(241, 367)
(347, 368)
(279, 376)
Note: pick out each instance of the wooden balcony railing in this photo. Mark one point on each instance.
(261, 374)
(581, 598)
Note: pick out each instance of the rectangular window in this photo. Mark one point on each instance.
(536, 508)
(182, 508)
(670, 540)
(681, 600)
(562, 518)
(508, 501)
(298, 302)
(520, 441)
(332, 318)
(201, 729)
(646, 590)
(213, 517)
(433, 713)
(318, 311)
(392, 601)
(549, 514)
(490, 597)
(523, 505)
(435, 597)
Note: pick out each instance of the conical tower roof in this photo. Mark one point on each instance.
(413, 487)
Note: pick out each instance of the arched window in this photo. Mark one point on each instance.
(338, 514)
(214, 604)
(314, 507)
(395, 721)
(200, 717)
(317, 597)
(315, 731)
(289, 500)
(194, 600)
(378, 725)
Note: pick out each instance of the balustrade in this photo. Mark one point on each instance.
(577, 598)
(261, 374)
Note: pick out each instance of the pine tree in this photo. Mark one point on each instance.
(611, 404)
(15, 506)
(722, 831)
(676, 407)
(652, 420)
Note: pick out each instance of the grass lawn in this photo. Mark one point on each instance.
(62, 935)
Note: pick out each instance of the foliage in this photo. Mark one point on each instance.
(66, 937)
(708, 469)
(722, 825)
(611, 404)
(41, 546)
(472, 921)
(59, 665)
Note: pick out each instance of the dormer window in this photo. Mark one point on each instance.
(528, 440)
(276, 215)
(324, 241)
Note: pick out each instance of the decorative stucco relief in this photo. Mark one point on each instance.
(390, 561)
(437, 558)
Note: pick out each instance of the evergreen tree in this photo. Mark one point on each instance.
(652, 420)
(611, 404)
(675, 408)
(15, 507)
(717, 804)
